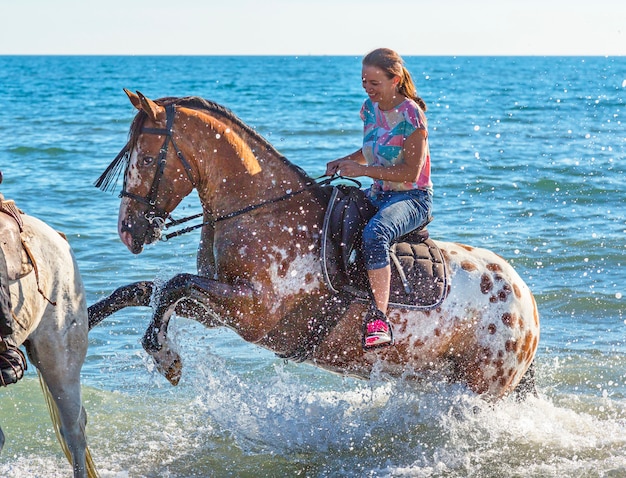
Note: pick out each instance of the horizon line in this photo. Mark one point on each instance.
(545, 55)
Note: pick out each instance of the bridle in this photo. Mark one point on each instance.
(158, 216)
(154, 213)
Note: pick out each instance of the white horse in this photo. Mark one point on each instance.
(50, 320)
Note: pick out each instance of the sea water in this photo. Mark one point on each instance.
(528, 161)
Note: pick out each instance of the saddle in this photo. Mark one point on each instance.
(11, 226)
(19, 259)
(418, 273)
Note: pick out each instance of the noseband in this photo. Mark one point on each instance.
(154, 213)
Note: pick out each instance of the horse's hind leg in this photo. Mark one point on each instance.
(1, 439)
(527, 385)
(59, 360)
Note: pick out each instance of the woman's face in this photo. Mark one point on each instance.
(379, 87)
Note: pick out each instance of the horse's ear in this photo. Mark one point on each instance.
(150, 107)
(134, 99)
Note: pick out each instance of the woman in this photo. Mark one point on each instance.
(396, 156)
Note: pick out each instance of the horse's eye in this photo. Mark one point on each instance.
(147, 160)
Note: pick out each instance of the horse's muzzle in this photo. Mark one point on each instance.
(135, 235)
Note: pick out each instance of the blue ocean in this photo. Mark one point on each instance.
(528, 160)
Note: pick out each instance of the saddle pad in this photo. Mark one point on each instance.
(419, 276)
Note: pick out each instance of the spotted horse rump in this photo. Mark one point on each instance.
(502, 319)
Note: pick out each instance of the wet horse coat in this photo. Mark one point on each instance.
(259, 265)
(50, 320)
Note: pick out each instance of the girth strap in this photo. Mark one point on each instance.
(36, 270)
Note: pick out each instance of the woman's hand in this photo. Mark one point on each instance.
(350, 169)
(348, 166)
(332, 167)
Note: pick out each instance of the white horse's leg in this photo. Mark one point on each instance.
(60, 359)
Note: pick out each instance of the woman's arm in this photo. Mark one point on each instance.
(335, 166)
(407, 171)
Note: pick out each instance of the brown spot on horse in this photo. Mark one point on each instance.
(504, 293)
(468, 266)
(486, 284)
(494, 267)
(510, 319)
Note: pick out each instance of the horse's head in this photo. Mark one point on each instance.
(178, 144)
(157, 176)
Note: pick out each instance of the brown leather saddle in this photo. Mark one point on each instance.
(17, 258)
(419, 278)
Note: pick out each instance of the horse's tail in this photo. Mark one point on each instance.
(54, 415)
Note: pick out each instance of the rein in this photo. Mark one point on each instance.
(158, 215)
(213, 221)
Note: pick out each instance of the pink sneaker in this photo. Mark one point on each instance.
(376, 330)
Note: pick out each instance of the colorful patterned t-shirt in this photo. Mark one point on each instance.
(384, 133)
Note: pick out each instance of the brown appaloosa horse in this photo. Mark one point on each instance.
(261, 269)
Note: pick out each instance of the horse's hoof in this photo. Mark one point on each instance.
(174, 373)
(169, 364)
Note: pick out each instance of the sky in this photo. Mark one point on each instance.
(315, 27)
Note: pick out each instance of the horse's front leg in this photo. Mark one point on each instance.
(139, 294)
(207, 293)
(136, 294)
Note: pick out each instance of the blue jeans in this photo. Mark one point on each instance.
(399, 212)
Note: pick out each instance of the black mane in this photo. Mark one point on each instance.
(108, 179)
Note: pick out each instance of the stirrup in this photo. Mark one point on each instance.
(12, 365)
(377, 330)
